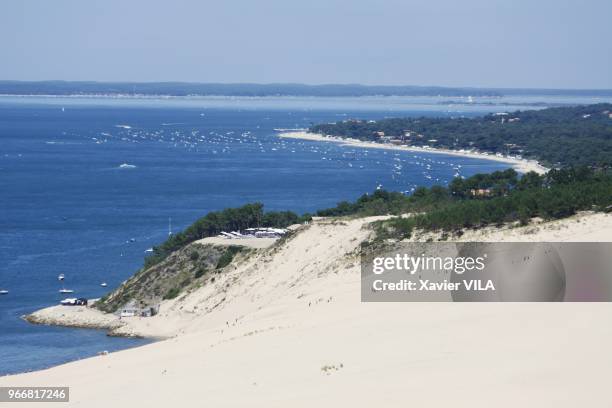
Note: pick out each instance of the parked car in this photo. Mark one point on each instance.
(74, 302)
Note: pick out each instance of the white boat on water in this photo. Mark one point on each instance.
(104, 284)
(61, 278)
(4, 292)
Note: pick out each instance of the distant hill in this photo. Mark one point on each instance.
(203, 89)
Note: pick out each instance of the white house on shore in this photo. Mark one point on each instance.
(132, 310)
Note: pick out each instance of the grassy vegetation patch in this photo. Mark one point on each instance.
(172, 293)
(228, 256)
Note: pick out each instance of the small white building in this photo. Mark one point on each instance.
(129, 310)
(132, 310)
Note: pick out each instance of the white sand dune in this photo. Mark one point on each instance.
(287, 328)
(583, 227)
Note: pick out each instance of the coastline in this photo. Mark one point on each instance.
(173, 320)
(520, 165)
(155, 328)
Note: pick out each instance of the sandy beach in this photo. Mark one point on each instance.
(74, 316)
(287, 328)
(520, 165)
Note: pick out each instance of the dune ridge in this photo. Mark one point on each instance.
(286, 327)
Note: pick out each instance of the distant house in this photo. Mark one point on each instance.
(480, 192)
(149, 311)
(130, 310)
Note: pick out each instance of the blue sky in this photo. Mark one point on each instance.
(487, 43)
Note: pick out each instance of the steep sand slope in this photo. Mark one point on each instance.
(287, 329)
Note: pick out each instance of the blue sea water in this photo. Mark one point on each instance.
(88, 184)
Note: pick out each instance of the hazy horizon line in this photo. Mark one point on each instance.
(304, 84)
